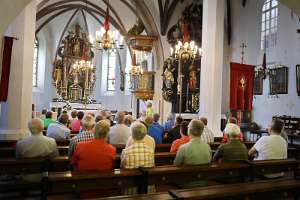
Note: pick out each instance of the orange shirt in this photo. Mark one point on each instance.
(94, 155)
(177, 143)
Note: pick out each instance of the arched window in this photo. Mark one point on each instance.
(35, 63)
(110, 65)
(269, 24)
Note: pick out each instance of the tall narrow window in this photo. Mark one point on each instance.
(111, 72)
(35, 63)
(269, 24)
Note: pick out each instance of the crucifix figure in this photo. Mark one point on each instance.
(243, 46)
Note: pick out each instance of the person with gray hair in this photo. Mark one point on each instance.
(96, 154)
(234, 150)
(195, 152)
(36, 145)
(59, 129)
(119, 133)
(138, 154)
(86, 134)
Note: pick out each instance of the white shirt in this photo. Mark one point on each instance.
(207, 136)
(58, 131)
(119, 134)
(271, 147)
(36, 146)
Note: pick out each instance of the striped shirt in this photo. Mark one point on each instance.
(81, 137)
(207, 136)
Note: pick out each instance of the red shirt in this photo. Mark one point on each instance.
(94, 155)
(226, 138)
(177, 143)
(75, 125)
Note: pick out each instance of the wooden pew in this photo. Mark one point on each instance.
(173, 175)
(158, 148)
(258, 190)
(260, 167)
(18, 169)
(74, 182)
(10, 152)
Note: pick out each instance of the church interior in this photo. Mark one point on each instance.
(150, 99)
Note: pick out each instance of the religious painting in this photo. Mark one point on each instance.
(258, 83)
(298, 79)
(278, 78)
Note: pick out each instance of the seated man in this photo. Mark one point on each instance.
(119, 133)
(184, 137)
(48, 120)
(148, 140)
(207, 135)
(36, 145)
(73, 118)
(96, 154)
(155, 130)
(234, 150)
(85, 135)
(138, 154)
(225, 139)
(59, 130)
(271, 147)
(195, 152)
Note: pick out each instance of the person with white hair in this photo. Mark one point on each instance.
(85, 135)
(195, 152)
(36, 145)
(138, 154)
(234, 150)
(119, 133)
(96, 154)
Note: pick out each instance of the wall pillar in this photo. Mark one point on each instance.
(212, 63)
(16, 112)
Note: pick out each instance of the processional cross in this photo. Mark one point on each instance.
(243, 46)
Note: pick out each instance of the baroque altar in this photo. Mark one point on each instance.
(73, 72)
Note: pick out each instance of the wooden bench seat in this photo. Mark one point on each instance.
(10, 152)
(66, 182)
(258, 190)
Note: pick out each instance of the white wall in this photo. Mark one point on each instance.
(246, 28)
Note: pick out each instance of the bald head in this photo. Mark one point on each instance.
(232, 130)
(102, 129)
(195, 128)
(36, 126)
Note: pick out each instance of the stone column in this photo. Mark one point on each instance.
(212, 63)
(16, 112)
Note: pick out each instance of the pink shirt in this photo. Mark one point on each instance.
(75, 126)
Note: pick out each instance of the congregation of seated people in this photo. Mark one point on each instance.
(93, 147)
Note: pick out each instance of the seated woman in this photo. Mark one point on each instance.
(184, 137)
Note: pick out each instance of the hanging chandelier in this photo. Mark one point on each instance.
(186, 51)
(105, 38)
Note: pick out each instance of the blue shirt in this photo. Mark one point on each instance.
(168, 125)
(156, 131)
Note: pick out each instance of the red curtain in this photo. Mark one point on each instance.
(7, 51)
(241, 86)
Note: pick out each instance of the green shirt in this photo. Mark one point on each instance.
(47, 122)
(232, 151)
(195, 152)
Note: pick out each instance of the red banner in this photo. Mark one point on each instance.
(7, 51)
(241, 86)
